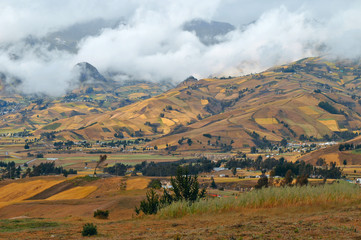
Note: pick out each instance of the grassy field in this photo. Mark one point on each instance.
(325, 211)
(268, 198)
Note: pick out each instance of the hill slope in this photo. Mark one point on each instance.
(282, 102)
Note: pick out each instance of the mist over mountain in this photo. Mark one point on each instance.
(170, 40)
(208, 32)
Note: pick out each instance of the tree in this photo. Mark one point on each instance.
(320, 162)
(213, 184)
(262, 182)
(26, 146)
(253, 149)
(102, 159)
(234, 171)
(119, 169)
(186, 187)
(345, 162)
(288, 177)
(150, 205)
(284, 142)
(302, 180)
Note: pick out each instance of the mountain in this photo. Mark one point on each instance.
(68, 38)
(209, 33)
(291, 101)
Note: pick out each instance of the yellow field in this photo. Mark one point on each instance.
(137, 95)
(331, 157)
(167, 122)
(17, 192)
(265, 121)
(137, 183)
(204, 101)
(331, 124)
(20, 191)
(308, 110)
(74, 193)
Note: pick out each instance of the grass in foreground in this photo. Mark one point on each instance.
(267, 198)
(25, 224)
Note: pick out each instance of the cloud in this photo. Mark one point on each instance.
(152, 45)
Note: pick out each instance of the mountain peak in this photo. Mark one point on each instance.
(88, 73)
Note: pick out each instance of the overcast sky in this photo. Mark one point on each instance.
(152, 45)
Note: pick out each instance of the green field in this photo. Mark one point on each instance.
(357, 151)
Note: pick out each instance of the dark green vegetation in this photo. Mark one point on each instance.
(118, 169)
(101, 214)
(328, 107)
(89, 229)
(185, 187)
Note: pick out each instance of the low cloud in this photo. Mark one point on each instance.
(153, 45)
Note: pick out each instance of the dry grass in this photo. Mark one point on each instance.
(74, 193)
(308, 110)
(266, 121)
(268, 198)
(331, 124)
(137, 183)
(204, 101)
(15, 192)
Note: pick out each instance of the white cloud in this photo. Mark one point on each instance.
(154, 46)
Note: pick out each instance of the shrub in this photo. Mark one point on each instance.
(155, 183)
(101, 214)
(89, 229)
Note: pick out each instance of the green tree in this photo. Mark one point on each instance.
(262, 182)
(186, 187)
(302, 180)
(284, 143)
(320, 162)
(213, 184)
(234, 171)
(288, 177)
(150, 205)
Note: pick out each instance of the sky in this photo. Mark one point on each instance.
(151, 44)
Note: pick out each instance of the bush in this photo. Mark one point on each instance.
(89, 229)
(155, 183)
(101, 214)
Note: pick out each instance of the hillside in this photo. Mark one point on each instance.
(281, 102)
(256, 109)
